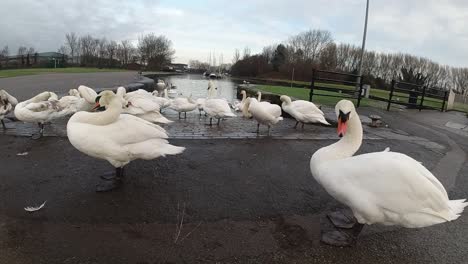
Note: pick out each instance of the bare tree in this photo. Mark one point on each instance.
(268, 52)
(62, 50)
(88, 49)
(125, 49)
(460, 79)
(236, 56)
(111, 51)
(31, 51)
(72, 43)
(328, 59)
(246, 53)
(311, 43)
(5, 52)
(155, 51)
(22, 50)
(102, 51)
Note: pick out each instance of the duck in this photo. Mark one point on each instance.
(117, 137)
(385, 187)
(264, 113)
(142, 104)
(183, 105)
(7, 103)
(41, 109)
(304, 112)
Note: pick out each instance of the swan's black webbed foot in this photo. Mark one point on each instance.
(109, 185)
(36, 136)
(342, 219)
(108, 176)
(40, 133)
(338, 238)
(111, 181)
(342, 237)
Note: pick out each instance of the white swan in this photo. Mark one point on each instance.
(74, 92)
(81, 99)
(142, 104)
(87, 93)
(217, 108)
(183, 105)
(117, 138)
(264, 112)
(211, 93)
(162, 101)
(160, 86)
(7, 103)
(303, 111)
(239, 105)
(200, 103)
(212, 89)
(384, 187)
(259, 96)
(40, 109)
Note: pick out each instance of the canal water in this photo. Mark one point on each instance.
(196, 85)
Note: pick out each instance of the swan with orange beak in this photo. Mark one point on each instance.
(386, 187)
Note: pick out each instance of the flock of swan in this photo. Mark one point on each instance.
(384, 187)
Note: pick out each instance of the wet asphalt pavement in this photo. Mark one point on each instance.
(243, 201)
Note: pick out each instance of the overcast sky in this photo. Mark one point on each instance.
(434, 29)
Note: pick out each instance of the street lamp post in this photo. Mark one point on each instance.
(362, 48)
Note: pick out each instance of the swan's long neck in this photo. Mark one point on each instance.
(110, 115)
(345, 147)
(121, 91)
(259, 97)
(243, 97)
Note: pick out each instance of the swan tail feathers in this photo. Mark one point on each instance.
(163, 120)
(156, 117)
(172, 150)
(457, 207)
(152, 149)
(325, 122)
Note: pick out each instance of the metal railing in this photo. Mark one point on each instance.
(320, 83)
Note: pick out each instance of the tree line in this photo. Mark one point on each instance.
(151, 50)
(316, 49)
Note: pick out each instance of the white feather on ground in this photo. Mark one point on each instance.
(35, 208)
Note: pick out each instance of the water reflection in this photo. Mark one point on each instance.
(197, 86)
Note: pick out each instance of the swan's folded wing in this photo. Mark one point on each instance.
(87, 93)
(12, 100)
(147, 104)
(273, 109)
(389, 180)
(305, 107)
(217, 106)
(130, 129)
